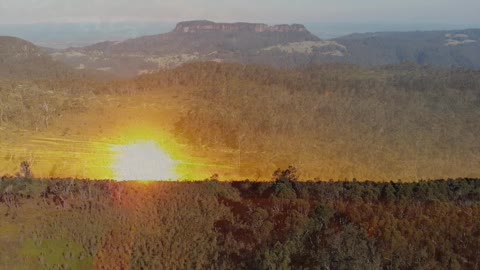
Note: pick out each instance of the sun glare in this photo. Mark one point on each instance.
(143, 161)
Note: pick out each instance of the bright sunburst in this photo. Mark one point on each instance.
(143, 161)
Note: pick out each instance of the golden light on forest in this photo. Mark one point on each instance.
(140, 151)
(144, 161)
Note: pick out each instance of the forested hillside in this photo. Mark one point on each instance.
(22, 60)
(404, 122)
(335, 121)
(284, 224)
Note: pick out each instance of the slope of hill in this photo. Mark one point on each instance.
(401, 122)
(440, 48)
(20, 59)
(333, 121)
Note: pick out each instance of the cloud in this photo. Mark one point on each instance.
(31, 11)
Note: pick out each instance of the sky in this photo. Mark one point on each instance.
(268, 11)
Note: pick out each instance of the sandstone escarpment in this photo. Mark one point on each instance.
(208, 26)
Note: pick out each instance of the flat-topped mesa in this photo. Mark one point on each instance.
(208, 26)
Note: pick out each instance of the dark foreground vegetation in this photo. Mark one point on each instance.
(284, 224)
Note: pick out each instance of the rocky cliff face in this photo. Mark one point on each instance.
(208, 26)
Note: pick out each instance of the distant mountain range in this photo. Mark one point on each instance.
(460, 48)
(189, 41)
(283, 46)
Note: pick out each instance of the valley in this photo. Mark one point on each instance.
(134, 138)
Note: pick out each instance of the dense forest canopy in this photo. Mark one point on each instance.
(284, 224)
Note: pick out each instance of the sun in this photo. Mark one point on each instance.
(143, 161)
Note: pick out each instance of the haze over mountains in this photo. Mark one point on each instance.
(284, 46)
(459, 48)
(64, 35)
(77, 34)
(189, 41)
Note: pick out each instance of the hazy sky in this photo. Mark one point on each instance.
(397, 11)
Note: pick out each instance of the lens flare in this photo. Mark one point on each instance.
(143, 161)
